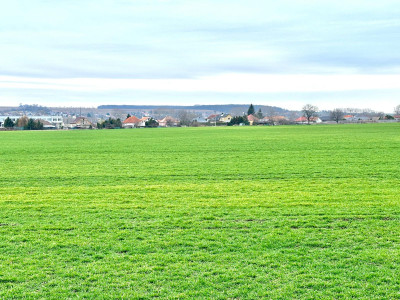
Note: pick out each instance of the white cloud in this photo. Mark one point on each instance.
(65, 50)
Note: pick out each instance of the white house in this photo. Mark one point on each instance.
(131, 122)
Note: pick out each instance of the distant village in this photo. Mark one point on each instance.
(35, 117)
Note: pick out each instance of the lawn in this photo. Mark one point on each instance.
(236, 212)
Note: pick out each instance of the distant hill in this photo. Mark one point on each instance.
(228, 108)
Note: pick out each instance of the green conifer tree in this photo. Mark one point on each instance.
(251, 110)
(260, 114)
(8, 123)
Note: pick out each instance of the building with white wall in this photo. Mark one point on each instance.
(57, 121)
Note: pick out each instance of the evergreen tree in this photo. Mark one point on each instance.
(151, 123)
(238, 120)
(251, 110)
(33, 125)
(118, 123)
(8, 123)
(128, 116)
(39, 125)
(30, 125)
(110, 124)
(259, 114)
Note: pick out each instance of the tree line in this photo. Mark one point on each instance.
(25, 123)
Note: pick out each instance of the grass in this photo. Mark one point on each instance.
(246, 212)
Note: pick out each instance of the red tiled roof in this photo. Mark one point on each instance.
(304, 119)
(132, 119)
(212, 117)
(252, 118)
(301, 119)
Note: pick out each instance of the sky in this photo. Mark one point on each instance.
(287, 53)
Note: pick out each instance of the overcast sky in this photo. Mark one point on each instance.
(284, 53)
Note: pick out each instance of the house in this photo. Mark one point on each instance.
(275, 120)
(264, 120)
(168, 121)
(47, 124)
(303, 120)
(362, 118)
(225, 118)
(253, 119)
(132, 122)
(80, 123)
(199, 120)
(350, 118)
(212, 118)
(143, 121)
(56, 121)
(280, 119)
(221, 118)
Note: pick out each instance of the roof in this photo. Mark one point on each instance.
(304, 119)
(79, 119)
(212, 116)
(169, 118)
(301, 119)
(252, 118)
(275, 118)
(130, 120)
(45, 123)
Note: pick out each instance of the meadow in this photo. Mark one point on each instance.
(236, 212)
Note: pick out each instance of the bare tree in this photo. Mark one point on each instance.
(310, 111)
(169, 123)
(271, 115)
(337, 115)
(397, 110)
(186, 117)
(293, 116)
(380, 114)
(23, 121)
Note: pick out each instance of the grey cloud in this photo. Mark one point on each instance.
(173, 45)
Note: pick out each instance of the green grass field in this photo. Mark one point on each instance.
(244, 212)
